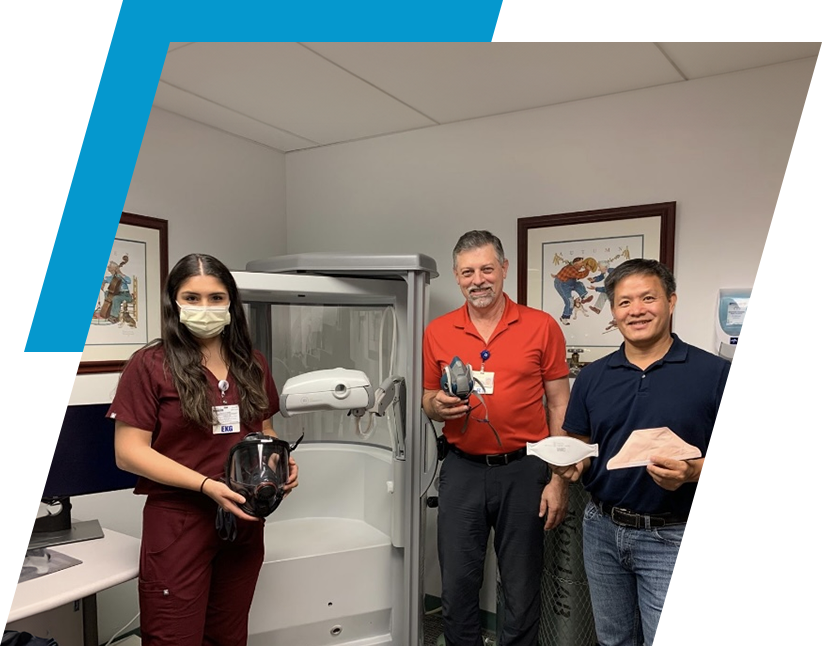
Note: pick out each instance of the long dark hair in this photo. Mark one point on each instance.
(184, 359)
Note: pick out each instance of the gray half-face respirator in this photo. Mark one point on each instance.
(256, 468)
(458, 381)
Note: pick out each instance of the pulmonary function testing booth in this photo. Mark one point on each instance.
(344, 554)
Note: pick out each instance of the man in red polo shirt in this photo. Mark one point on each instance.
(486, 480)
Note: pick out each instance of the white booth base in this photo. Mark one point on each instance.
(330, 580)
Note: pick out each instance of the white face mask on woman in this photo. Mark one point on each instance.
(204, 321)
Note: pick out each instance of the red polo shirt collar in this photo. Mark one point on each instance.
(509, 315)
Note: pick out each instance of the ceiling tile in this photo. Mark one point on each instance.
(455, 81)
(288, 86)
(187, 105)
(292, 96)
(697, 60)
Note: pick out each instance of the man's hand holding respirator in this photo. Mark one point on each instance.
(442, 407)
(451, 402)
(573, 472)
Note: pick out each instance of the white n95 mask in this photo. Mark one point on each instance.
(204, 321)
(561, 450)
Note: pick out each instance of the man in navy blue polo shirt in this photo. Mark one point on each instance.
(634, 524)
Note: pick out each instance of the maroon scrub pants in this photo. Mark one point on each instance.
(195, 588)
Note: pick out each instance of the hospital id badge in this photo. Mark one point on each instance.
(228, 419)
(486, 380)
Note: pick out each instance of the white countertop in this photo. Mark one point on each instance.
(106, 562)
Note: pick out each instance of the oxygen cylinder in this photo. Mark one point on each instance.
(566, 618)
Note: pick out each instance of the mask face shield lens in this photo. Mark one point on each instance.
(257, 468)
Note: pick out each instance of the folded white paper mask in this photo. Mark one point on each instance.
(561, 451)
(642, 444)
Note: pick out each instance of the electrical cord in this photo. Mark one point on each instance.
(427, 423)
(122, 630)
(395, 331)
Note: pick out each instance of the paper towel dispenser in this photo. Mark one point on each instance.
(758, 326)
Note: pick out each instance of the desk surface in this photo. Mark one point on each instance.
(106, 562)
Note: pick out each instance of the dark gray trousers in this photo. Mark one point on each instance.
(473, 498)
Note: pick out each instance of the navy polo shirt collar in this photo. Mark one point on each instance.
(678, 352)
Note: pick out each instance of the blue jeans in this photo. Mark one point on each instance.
(628, 574)
(566, 289)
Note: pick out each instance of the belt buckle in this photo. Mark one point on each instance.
(625, 514)
(500, 459)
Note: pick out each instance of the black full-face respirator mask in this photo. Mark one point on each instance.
(257, 469)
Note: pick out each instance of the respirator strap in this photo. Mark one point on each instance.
(226, 524)
(470, 408)
(481, 421)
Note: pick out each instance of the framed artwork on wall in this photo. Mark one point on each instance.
(564, 258)
(127, 312)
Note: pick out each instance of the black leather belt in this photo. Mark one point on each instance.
(495, 460)
(628, 518)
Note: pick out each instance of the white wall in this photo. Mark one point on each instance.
(718, 147)
(221, 195)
